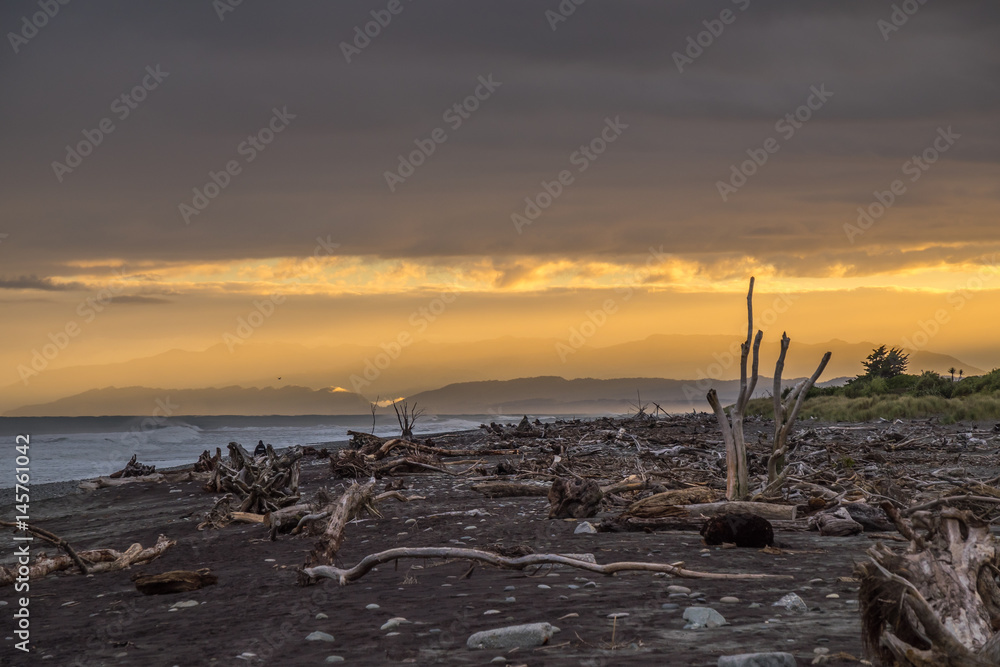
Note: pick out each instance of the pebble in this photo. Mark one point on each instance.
(510, 598)
(392, 634)
(573, 586)
(585, 527)
(590, 584)
(499, 659)
(792, 602)
(510, 588)
(833, 596)
(544, 586)
(670, 606)
(816, 581)
(410, 522)
(321, 616)
(514, 636)
(393, 623)
(184, 604)
(703, 617)
(729, 599)
(678, 589)
(372, 607)
(820, 650)
(758, 660)
(318, 636)
(490, 612)
(333, 658)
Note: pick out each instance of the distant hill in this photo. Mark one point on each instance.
(538, 395)
(146, 401)
(556, 395)
(423, 365)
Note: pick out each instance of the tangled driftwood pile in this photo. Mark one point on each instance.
(133, 469)
(259, 484)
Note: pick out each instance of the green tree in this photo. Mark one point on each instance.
(885, 363)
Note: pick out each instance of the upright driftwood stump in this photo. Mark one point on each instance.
(574, 498)
(937, 604)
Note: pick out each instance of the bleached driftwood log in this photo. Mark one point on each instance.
(937, 604)
(98, 560)
(737, 475)
(787, 410)
(344, 576)
(355, 498)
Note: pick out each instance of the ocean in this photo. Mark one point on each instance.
(70, 448)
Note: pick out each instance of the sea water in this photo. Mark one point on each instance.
(71, 448)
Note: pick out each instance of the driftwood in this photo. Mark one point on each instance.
(837, 523)
(344, 576)
(787, 410)
(764, 510)
(743, 530)
(355, 498)
(134, 469)
(175, 581)
(52, 539)
(208, 463)
(98, 560)
(656, 505)
(737, 474)
(511, 489)
(572, 498)
(259, 484)
(937, 604)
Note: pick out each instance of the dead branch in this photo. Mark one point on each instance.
(345, 576)
(351, 502)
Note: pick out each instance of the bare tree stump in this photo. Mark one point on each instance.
(352, 501)
(574, 498)
(937, 604)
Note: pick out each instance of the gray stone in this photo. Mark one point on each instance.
(703, 617)
(319, 637)
(393, 623)
(729, 599)
(792, 602)
(758, 660)
(333, 658)
(585, 527)
(372, 607)
(513, 636)
(678, 589)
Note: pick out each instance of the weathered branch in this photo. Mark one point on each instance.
(345, 576)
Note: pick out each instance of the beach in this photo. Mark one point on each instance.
(259, 614)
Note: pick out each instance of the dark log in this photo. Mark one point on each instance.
(574, 498)
(175, 581)
(743, 530)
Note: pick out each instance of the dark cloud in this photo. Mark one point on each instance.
(36, 283)
(323, 175)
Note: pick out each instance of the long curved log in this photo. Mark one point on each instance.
(345, 576)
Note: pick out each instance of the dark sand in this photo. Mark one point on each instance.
(257, 606)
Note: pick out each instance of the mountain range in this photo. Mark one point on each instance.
(423, 371)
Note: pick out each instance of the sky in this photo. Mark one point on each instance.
(494, 168)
